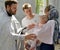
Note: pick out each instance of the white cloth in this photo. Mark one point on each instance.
(15, 27)
(34, 20)
(45, 33)
(7, 41)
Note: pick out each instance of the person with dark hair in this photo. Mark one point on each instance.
(53, 14)
(9, 27)
(11, 7)
(6, 21)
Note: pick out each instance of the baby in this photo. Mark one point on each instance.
(31, 44)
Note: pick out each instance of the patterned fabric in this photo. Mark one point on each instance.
(56, 32)
(54, 15)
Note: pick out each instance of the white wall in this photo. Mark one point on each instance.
(58, 5)
(1, 3)
(51, 2)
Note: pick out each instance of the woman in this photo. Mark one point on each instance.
(53, 14)
(44, 32)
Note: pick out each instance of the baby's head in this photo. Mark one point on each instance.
(43, 19)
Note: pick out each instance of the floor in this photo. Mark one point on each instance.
(57, 47)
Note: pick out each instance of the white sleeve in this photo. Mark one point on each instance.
(48, 25)
(23, 23)
(52, 26)
(14, 30)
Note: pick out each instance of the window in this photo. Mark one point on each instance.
(40, 6)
